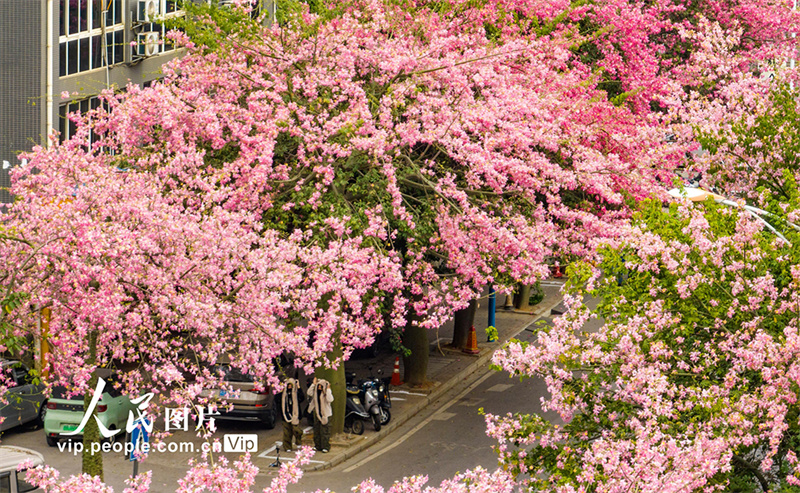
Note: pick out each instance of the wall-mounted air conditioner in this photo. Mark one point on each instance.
(148, 10)
(147, 44)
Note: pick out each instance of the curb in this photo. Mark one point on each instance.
(441, 389)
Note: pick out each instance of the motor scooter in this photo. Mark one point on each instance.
(374, 392)
(355, 413)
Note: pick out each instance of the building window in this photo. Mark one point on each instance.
(66, 127)
(167, 9)
(84, 23)
(81, 44)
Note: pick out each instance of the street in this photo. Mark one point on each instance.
(445, 438)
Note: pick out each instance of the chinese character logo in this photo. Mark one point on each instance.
(141, 403)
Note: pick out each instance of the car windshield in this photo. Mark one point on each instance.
(63, 392)
(231, 374)
(17, 373)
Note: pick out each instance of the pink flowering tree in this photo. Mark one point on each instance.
(755, 151)
(472, 157)
(297, 188)
(691, 384)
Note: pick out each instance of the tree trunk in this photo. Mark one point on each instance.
(464, 320)
(337, 381)
(415, 365)
(524, 297)
(92, 464)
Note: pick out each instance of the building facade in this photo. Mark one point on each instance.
(80, 47)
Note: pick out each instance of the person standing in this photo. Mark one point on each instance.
(291, 398)
(321, 398)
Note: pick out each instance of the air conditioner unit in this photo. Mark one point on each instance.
(147, 44)
(148, 10)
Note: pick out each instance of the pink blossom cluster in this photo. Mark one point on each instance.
(297, 188)
(293, 192)
(222, 477)
(691, 382)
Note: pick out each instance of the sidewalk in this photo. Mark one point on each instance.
(446, 368)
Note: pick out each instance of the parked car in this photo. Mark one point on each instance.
(24, 398)
(64, 413)
(248, 405)
(11, 480)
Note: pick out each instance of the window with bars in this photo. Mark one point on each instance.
(82, 25)
(167, 9)
(92, 33)
(66, 127)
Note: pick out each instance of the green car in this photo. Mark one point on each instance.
(64, 414)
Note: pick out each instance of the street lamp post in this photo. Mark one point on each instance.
(699, 195)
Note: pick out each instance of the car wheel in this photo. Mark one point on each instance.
(386, 416)
(113, 438)
(358, 427)
(269, 420)
(39, 421)
(52, 441)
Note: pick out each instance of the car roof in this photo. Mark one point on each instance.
(10, 457)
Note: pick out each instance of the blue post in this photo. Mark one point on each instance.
(492, 302)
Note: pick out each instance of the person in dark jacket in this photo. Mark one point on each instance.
(291, 398)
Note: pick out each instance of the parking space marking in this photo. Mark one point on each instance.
(500, 387)
(271, 449)
(266, 452)
(443, 416)
(470, 402)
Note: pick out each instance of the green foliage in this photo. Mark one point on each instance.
(764, 143)
(635, 280)
(208, 24)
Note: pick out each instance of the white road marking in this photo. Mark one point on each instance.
(471, 402)
(271, 449)
(397, 399)
(500, 387)
(444, 416)
(265, 454)
(421, 425)
(405, 392)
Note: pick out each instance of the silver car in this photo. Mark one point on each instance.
(24, 398)
(11, 480)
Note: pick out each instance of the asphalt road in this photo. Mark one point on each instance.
(446, 438)
(449, 438)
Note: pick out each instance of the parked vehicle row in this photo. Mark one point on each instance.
(61, 414)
